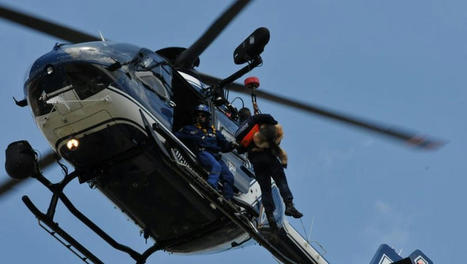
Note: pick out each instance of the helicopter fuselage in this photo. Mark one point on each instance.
(93, 93)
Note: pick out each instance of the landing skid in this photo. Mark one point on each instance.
(67, 240)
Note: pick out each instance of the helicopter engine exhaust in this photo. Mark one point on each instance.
(21, 160)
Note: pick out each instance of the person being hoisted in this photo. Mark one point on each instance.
(203, 139)
(260, 135)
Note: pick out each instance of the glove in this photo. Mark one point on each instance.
(233, 145)
(241, 149)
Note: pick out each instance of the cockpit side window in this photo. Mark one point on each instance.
(156, 64)
(154, 84)
(39, 106)
(164, 73)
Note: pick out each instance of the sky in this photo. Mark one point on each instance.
(400, 63)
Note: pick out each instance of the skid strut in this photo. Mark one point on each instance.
(61, 235)
(67, 240)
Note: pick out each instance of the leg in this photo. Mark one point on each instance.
(227, 180)
(279, 177)
(260, 162)
(262, 173)
(281, 181)
(266, 197)
(210, 163)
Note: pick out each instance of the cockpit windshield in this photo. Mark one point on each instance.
(85, 79)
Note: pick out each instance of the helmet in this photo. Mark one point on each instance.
(244, 114)
(202, 108)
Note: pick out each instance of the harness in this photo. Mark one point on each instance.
(248, 138)
(205, 130)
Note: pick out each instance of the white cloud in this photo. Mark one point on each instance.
(388, 225)
(329, 156)
(382, 207)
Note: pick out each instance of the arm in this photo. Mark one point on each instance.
(188, 134)
(224, 144)
(241, 149)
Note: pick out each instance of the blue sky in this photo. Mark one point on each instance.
(399, 62)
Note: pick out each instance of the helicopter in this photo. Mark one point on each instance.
(195, 82)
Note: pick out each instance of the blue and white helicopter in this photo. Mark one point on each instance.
(110, 109)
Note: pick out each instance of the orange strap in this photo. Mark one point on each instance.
(246, 140)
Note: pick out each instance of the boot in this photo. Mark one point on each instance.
(272, 222)
(290, 210)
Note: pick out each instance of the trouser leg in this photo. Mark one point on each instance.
(264, 181)
(262, 166)
(210, 163)
(281, 181)
(227, 180)
(266, 196)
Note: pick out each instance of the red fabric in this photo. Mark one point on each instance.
(246, 140)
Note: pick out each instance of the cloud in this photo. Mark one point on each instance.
(329, 156)
(382, 208)
(388, 225)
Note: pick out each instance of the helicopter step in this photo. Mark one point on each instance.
(289, 241)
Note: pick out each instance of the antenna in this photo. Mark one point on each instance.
(101, 36)
(311, 229)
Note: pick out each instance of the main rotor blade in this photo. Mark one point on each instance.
(187, 57)
(408, 137)
(12, 184)
(9, 185)
(44, 26)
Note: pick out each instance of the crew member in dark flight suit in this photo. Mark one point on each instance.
(260, 135)
(206, 142)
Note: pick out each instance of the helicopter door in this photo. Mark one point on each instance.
(155, 74)
(236, 163)
(187, 95)
(158, 94)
